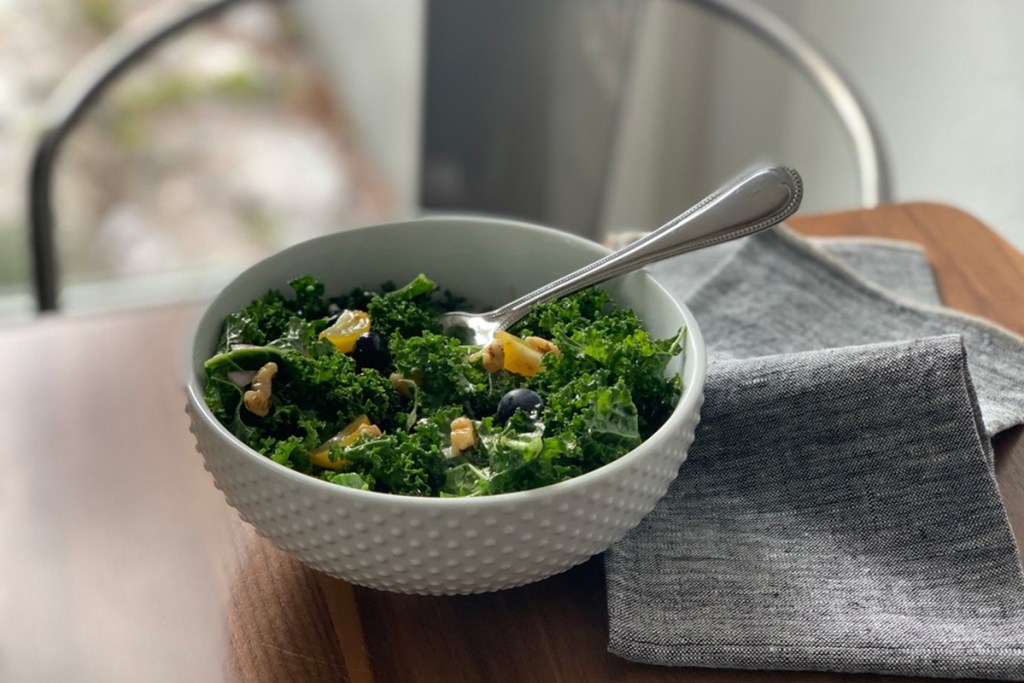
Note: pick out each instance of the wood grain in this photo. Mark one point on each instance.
(976, 270)
(556, 630)
(120, 561)
(279, 625)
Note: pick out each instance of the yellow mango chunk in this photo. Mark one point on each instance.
(519, 357)
(346, 329)
(352, 432)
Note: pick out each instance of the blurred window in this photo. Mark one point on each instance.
(224, 145)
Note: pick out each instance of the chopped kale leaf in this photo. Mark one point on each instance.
(601, 394)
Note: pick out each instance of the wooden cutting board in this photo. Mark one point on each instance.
(556, 630)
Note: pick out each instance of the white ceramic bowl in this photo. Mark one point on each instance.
(446, 545)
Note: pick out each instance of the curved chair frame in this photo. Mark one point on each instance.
(72, 98)
(826, 79)
(86, 83)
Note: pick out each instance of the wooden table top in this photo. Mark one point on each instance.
(120, 561)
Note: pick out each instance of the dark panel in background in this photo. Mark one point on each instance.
(521, 105)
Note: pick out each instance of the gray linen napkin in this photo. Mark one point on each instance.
(838, 510)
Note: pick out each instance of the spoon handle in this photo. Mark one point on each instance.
(754, 202)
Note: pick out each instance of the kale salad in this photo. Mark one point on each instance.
(363, 390)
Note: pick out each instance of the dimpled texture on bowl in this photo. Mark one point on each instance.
(452, 545)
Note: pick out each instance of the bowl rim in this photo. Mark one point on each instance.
(689, 401)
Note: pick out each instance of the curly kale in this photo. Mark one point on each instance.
(613, 348)
(405, 312)
(601, 396)
(560, 317)
(269, 318)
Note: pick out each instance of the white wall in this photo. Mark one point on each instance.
(944, 80)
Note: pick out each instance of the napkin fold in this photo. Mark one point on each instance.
(838, 510)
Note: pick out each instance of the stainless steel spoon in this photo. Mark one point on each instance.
(754, 202)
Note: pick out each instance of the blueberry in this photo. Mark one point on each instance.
(371, 351)
(521, 399)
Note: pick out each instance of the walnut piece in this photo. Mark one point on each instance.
(401, 384)
(373, 431)
(257, 399)
(543, 345)
(463, 435)
(493, 357)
